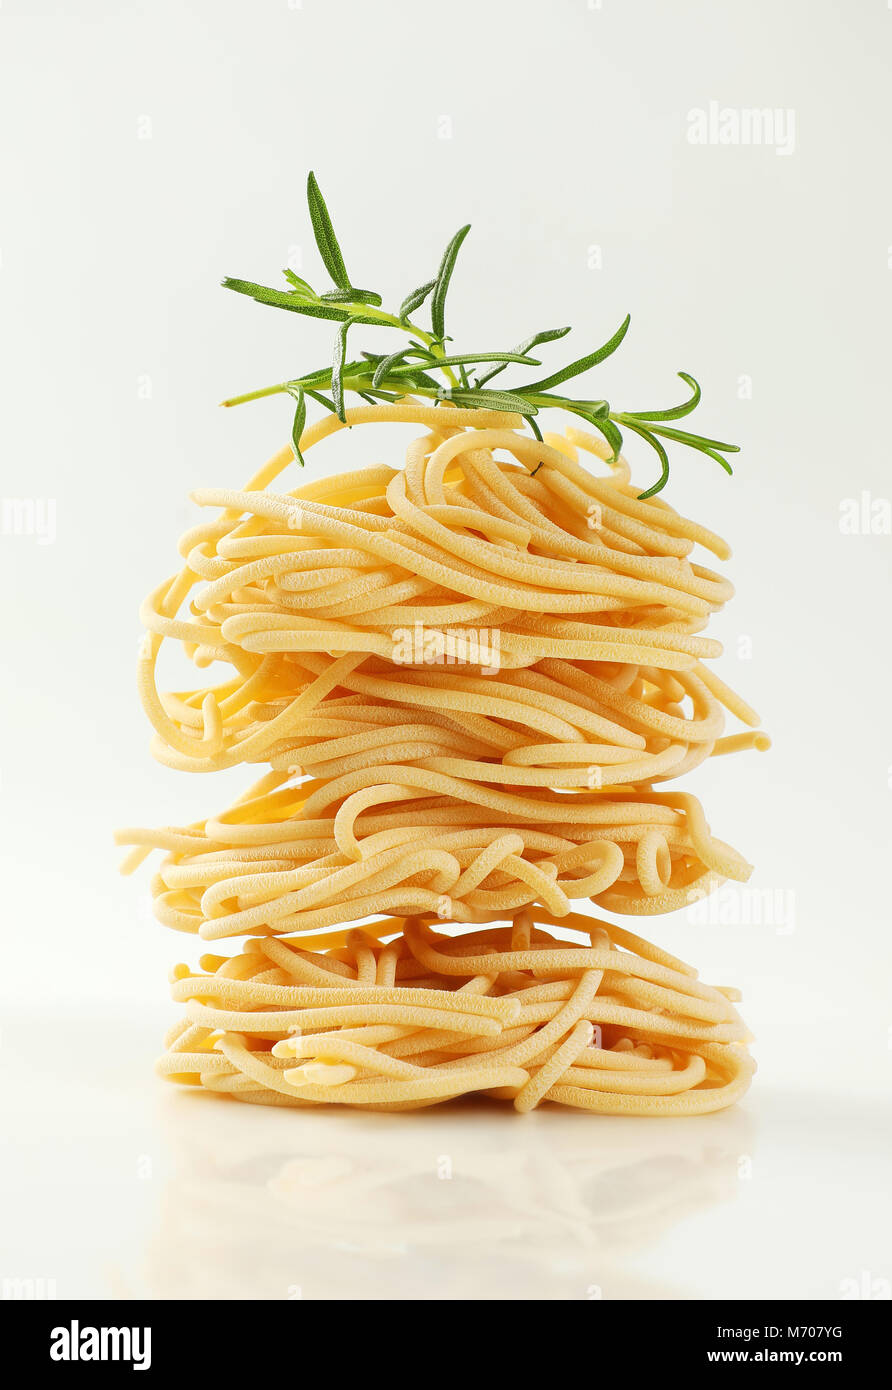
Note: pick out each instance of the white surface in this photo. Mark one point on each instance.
(127, 1189)
(568, 130)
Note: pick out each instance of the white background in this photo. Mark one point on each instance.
(152, 148)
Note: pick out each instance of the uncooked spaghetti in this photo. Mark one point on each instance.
(466, 683)
(614, 1025)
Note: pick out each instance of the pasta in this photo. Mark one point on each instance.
(467, 682)
(614, 1025)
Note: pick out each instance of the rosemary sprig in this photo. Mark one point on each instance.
(423, 367)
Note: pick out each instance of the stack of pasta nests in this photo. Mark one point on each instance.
(468, 681)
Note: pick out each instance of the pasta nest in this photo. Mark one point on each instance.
(400, 1017)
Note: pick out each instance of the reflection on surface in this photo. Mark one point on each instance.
(464, 1202)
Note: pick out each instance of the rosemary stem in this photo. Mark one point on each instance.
(423, 337)
(255, 395)
(387, 321)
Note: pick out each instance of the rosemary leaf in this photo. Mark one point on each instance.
(606, 427)
(289, 299)
(323, 231)
(548, 335)
(491, 400)
(661, 454)
(298, 284)
(323, 400)
(337, 370)
(705, 449)
(582, 364)
(461, 358)
(696, 441)
(351, 296)
(441, 284)
(300, 420)
(414, 300)
(386, 364)
(677, 411)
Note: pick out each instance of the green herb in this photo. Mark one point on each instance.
(441, 284)
(423, 367)
(300, 419)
